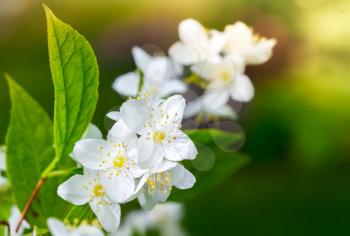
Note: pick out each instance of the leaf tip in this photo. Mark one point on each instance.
(48, 11)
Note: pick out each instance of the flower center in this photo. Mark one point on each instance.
(98, 190)
(119, 162)
(160, 181)
(225, 75)
(158, 136)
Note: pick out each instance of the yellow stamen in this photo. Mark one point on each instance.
(158, 136)
(119, 162)
(98, 190)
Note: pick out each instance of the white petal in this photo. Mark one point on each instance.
(73, 190)
(171, 87)
(192, 32)
(182, 178)
(183, 54)
(164, 166)
(127, 84)
(158, 70)
(193, 108)
(56, 227)
(3, 183)
(142, 182)
(180, 148)
(239, 38)
(141, 58)
(88, 230)
(224, 111)
(120, 131)
(134, 113)
(173, 109)
(206, 69)
(260, 52)
(217, 41)
(213, 98)
(107, 214)
(2, 158)
(119, 188)
(149, 154)
(146, 200)
(89, 151)
(243, 89)
(114, 115)
(92, 132)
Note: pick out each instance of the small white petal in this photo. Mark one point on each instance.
(120, 131)
(146, 201)
(88, 230)
(141, 58)
(260, 52)
(134, 114)
(15, 215)
(182, 178)
(114, 115)
(107, 214)
(171, 87)
(173, 109)
(158, 70)
(243, 89)
(118, 188)
(183, 54)
(193, 108)
(164, 166)
(2, 158)
(89, 151)
(180, 147)
(214, 98)
(57, 228)
(127, 84)
(192, 32)
(73, 190)
(92, 132)
(149, 154)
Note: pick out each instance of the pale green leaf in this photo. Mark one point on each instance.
(75, 76)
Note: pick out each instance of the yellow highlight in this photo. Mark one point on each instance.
(225, 76)
(158, 136)
(119, 162)
(98, 190)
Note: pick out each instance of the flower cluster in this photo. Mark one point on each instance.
(142, 154)
(139, 159)
(217, 58)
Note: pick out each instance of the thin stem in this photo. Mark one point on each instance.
(30, 201)
(63, 172)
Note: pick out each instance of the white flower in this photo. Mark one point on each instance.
(57, 228)
(203, 110)
(15, 215)
(240, 40)
(225, 79)
(88, 188)
(196, 44)
(164, 217)
(156, 185)
(159, 130)
(115, 159)
(160, 77)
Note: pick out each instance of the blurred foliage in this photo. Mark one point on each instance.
(297, 126)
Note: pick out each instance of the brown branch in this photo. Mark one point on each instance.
(30, 201)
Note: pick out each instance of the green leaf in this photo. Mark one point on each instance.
(28, 151)
(214, 163)
(75, 76)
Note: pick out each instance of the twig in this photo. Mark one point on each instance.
(30, 201)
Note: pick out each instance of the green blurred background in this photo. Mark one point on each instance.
(297, 126)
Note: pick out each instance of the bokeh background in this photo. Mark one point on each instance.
(297, 127)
